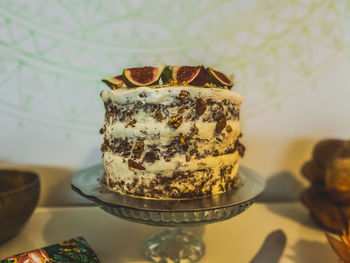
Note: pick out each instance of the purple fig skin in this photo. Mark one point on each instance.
(196, 76)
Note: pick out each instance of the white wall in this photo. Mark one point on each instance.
(290, 59)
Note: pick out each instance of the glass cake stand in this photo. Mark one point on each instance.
(173, 244)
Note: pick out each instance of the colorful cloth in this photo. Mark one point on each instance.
(75, 250)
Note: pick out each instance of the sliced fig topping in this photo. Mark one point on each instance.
(159, 116)
(131, 123)
(201, 106)
(151, 157)
(175, 121)
(135, 165)
(219, 78)
(176, 75)
(138, 149)
(183, 95)
(196, 76)
(229, 128)
(221, 124)
(115, 82)
(146, 76)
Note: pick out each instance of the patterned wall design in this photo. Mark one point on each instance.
(54, 53)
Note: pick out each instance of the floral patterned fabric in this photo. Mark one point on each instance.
(75, 250)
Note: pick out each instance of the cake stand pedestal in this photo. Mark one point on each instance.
(173, 244)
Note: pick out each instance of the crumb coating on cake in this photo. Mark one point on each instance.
(171, 142)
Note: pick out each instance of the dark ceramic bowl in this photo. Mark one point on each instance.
(19, 195)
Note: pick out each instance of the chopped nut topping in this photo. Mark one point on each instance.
(181, 109)
(131, 123)
(151, 157)
(133, 164)
(183, 143)
(173, 82)
(201, 106)
(188, 157)
(193, 151)
(110, 116)
(194, 131)
(175, 121)
(139, 104)
(138, 149)
(104, 147)
(142, 95)
(210, 85)
(221, 124)
(229, 128)
(102, 130)
(183, 95)
(240, 148)
(153, 108)
(159, 116)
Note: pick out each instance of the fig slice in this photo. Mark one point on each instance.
(145, 76)
(115, 82)
(219, 78)
(196, 76)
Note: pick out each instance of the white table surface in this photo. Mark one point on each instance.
(234, 240)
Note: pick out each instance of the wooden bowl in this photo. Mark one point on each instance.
(19, 195)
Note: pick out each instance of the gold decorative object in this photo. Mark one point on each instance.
(341, 244)
(328, 197)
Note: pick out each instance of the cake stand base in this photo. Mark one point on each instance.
(174, 246)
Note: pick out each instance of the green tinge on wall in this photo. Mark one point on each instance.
(54, 53)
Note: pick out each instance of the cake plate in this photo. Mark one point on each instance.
(173, 244)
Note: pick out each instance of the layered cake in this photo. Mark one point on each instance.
(171, 132)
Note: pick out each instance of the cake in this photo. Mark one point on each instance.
(171, 132)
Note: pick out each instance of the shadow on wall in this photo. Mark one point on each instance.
(55, 184)
(281, 187)
(287, 184)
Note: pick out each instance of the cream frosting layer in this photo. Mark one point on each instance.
(211, 160)
(213, 182)
(166, 95)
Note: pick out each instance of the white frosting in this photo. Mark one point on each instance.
(165, 95)
(119, 165)
(116, 168)
(153, 132)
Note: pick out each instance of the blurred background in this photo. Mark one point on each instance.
(290, 60)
